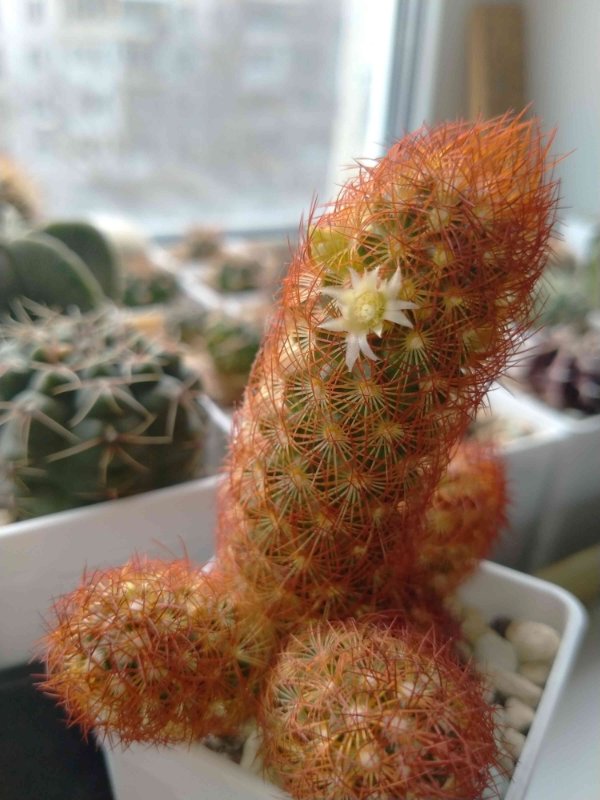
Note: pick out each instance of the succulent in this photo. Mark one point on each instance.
(161, 287)
(95, 250)
(232, 344)
(42, 269)
(405, 300)
(356, 711)
(563, 368)
(157, 651)
(464, 517)
(198, 244)
(236, 272)
(91, 411)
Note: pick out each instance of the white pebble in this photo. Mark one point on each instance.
(464, 650)
(514, 742)
(491, 650)
(454, 606)
(533, 641)
(536, 671)
(510, 684)
(473, 624)
(250, 755)
(518, 714)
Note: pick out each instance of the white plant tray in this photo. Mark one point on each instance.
(530, 462)
(569, 518)
(251, 305)
(187, 774)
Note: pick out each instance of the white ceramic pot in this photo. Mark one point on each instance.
(182, 773)
(530, 462)
(568, 509)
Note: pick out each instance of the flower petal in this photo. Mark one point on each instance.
(355, 278)
(335, 324)
(352, 349)
(337, 292)
(365, 347)
(398, 305)
(395, 282)
(397, 316)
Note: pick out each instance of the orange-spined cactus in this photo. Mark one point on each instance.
(358, 711)
(463, 519)
(157, 652)
(405, 299)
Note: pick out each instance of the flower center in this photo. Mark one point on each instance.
(367, 309)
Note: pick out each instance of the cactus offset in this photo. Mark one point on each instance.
(46, 271)
(404, 301)
(95, 250)
(354, 711)
(91, 411)
(155, 651)
(464, 518)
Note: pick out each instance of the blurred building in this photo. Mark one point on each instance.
(171, 110)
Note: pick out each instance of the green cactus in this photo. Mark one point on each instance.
(161, 287)
(236, 272)
(90, 411)
(41, 268)
(232, 344)
(95, 250)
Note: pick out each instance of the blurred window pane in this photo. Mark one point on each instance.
(174, 112)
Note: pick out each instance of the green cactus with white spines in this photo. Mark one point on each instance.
(90, 411)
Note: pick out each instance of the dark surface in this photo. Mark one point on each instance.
(40, 757)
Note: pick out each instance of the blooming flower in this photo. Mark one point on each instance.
(364, 308)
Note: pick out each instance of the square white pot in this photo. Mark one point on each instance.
(530, 462)
(250, 305)
(45, 557)
(186, 774)
(569, 518)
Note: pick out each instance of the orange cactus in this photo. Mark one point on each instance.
(157, 652)
(357, 711)
(464, 518)
(405, 299)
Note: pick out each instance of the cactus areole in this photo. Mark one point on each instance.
(406, 298)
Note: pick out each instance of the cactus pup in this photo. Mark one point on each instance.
(405, 299)
(463, 519)
(157, 652)
(354, 711)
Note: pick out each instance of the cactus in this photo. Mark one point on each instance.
(236, 272)
(44, 270)
(354, 711)
(232, 344)
(91, 411)
(161, 287)
(404, 301)
(95, 250)
(157, 651)
(464, 518)
(18, 198)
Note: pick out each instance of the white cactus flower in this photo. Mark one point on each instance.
(364, 307)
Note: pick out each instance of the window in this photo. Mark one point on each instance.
(35, 11)
(253, 105)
